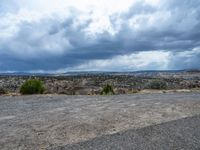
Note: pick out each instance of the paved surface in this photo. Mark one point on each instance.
(50, 121)
(183, 134)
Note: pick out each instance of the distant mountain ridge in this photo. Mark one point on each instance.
(100, 73)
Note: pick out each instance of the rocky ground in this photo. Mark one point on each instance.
(51, 121)
(181, 134)
(92, 84)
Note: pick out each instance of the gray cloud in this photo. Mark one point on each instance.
(186, 59)
(53, 43)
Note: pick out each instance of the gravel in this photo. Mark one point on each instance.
(182, 134)
(51, 121)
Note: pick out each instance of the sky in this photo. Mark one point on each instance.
(104, 35)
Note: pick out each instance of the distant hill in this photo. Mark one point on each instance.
(137, 73)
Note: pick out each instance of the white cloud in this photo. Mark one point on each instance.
(35, 11)
(153, 2)
(156, 60)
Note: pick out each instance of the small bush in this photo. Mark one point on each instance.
(135, 91)
(2, 91)
(107, 90)
(32, 86)
(157, 84)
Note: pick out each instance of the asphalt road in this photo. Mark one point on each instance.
(183, 134)
(103, 122)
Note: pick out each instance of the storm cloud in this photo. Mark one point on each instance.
(101, 36)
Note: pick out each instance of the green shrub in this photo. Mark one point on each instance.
(32, 86)
(107, 90)
(157, 84)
